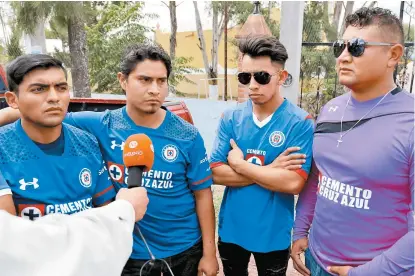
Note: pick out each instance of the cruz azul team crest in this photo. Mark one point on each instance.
(85, 178)
(277, 139)
(170, 153)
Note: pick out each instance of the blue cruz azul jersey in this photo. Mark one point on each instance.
(43, 184)
(253, 217)
(181, 166)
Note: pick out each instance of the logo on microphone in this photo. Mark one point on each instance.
(170, 153)
(23, 184)
(85, 178)
(133, 144)
(134, 153)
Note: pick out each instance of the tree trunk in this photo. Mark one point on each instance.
(79, 57)
(201, 39)
(337, 12)
(349, 10)
(173, 26)
(270, 3)
(215, 46)
(173, 42)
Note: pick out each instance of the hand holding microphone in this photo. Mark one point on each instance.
(137, 197)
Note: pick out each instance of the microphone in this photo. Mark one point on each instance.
(138, 157)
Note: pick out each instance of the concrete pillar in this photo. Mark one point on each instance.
(37, 40)
(291, 35)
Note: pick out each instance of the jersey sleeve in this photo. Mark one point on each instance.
(199, 174)
(302, 136)
(304, 210)
(86, 120)
(104, 191)
(221, 145)
(4, 187)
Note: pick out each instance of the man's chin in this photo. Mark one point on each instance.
(50, 123)
(347, 82)
(151, 109)
(258, 102)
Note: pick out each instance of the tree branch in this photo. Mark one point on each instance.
(165, 4)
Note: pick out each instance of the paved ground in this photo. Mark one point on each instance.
(252, 269)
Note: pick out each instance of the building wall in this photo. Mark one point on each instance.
(187, 46)
(201, 88)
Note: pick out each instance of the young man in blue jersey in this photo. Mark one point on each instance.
(257, 210)
(179, 225)
(49, 167)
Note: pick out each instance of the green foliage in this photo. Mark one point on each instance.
(319, 81)
(408, 31)
(29, 13)
(13, 49)
(118, 25)
(58, 30)
(181, 68)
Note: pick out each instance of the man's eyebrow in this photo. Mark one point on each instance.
(62, 83)
(39, 84)
(145, 76)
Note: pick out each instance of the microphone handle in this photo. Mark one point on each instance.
(135, 176)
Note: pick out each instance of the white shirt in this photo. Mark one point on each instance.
(94, 242)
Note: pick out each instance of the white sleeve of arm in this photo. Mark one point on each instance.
(94, 242)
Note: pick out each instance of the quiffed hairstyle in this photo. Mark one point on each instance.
(259, 46)
(22, 65)
(137, 53)
(383, 18)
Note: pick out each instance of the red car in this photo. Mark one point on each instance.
(90, 104)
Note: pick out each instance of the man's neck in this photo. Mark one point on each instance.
(264, 110)
(373, 91)
(150, 120)
(40, 134)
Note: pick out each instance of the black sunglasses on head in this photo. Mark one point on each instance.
(355, 46)
(261, 77)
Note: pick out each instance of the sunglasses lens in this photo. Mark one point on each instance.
(262, 77)
(356, 47)
(338, 48)
(244, 78)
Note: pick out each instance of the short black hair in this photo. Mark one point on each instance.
(22, 65)
(258, 46)
(383, 18)
(137, 53)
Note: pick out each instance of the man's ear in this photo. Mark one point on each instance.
(283, 76)
(122, 80)
(395, 54)
(12, 99)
